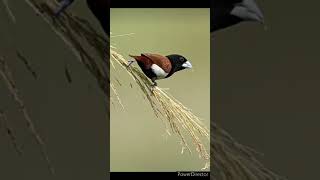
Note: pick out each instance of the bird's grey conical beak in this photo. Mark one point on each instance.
(248, 10)
(187, 64)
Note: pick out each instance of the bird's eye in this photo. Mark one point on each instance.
(181, 59)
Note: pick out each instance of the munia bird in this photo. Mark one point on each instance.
(156, 66)
(225, 13)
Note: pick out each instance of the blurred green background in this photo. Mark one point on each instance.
(138, 142)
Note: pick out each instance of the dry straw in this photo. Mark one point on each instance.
(6, 75)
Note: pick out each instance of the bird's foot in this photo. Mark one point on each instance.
(154, 85)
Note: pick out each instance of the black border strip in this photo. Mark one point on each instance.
(160, 175)
(160, 4)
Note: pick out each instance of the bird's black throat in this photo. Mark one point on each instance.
(176, 64)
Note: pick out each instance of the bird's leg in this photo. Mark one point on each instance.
(154, 83)
(130, 62)
(64, 4)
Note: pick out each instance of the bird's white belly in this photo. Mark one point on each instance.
(158, 71)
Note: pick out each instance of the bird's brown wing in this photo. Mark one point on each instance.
(143, 60)
(159, 60)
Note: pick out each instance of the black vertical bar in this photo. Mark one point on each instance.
(160, 4)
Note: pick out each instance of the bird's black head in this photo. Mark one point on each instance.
(231, 12)
(248, 10)
(178, 63)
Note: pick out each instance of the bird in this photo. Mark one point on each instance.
(156, 66)
(226, 13)
(99, 8)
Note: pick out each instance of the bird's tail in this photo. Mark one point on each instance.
(133, 56)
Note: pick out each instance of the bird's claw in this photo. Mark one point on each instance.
(153, 86)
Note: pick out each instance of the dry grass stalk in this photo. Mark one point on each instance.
(10, 133)
(27, 64)
(9, 11)
(233, 160)
(117, 95)
(90, 47)
(8, 79)
(181, 120)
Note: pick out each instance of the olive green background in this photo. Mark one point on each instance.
(266, 86)
(137, 141)
(71, 118)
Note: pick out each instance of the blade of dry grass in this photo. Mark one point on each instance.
(9, 11)
(27, 64)
(10, 132)
(117, 95)
(8, 79)
(67, 74)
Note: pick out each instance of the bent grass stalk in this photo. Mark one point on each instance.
(6, 75)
